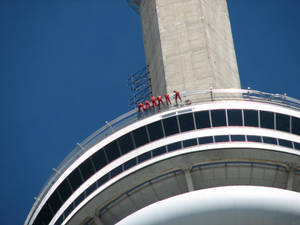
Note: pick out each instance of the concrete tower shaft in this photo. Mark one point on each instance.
(188, 45)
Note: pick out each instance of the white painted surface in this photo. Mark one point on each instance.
(221, 206)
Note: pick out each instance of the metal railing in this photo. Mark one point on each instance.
(193, 97)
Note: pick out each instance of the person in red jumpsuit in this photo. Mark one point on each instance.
(160, 100)
(147, 105)
(153, 100)
(141, 105)
(177, 96)
(167, 97)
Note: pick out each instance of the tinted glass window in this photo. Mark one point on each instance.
(69, 210)
(75, 179)
(79, 199)
(99, 159)
(190, 142)
(60, 220)
(251, 118)
(116, 171)
(285, 143)
(144, 157)
(140, 136)
(159, 151)
(126, 143)
(112, 151)
(64, 190)
(129, 164)
(174, 146)
(155, 131)
(102, 180)
(266, 119)
(44, 216)
(237, 138)
(297, 145)
(234, 117)
(296, 125)
(55, 202)
(186, 122)
(282, 122)
(269, 140)
(218, 118)
(253, 138)
(202, 119)
(170, 126)
(205, 140)
(86, 169)
(222, 138)
(91, 188)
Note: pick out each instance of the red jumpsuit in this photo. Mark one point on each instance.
(141, 105)
(160, 100)
(147, 105)
(153, 100)
(167, 97)
(177, 95)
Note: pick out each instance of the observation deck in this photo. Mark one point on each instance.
(224, 137)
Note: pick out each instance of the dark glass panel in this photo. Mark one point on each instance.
(282, 122)
(222, 138)
(116, 171)
(297, 145)
(174, 146)
(60, 220)
(296, 125)
(234, 117)
(237, 138)
(144, 157)
(251, 118)
(44, 217)
(205, 140)
(186, 122)
(155, 131)
(69, 210)
(99, 159)
(269, 140)
(218, 118)
(202, 119)
(126, 143)
(75, 179)
(190, 142)
(267, 119)
(140, 136)
(170, 126)
(90, 189)
(55, 202)
(253, 138)
(285, 143)
(64, 190)
(159, 151)
(129, 164)
(102, 180)
(79, 199)
(86, 169)
(112, 151)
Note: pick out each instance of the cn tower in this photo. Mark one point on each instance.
(220, 155)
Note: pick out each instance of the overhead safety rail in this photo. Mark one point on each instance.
(140, 87)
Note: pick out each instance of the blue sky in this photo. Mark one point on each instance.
(64, 66)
